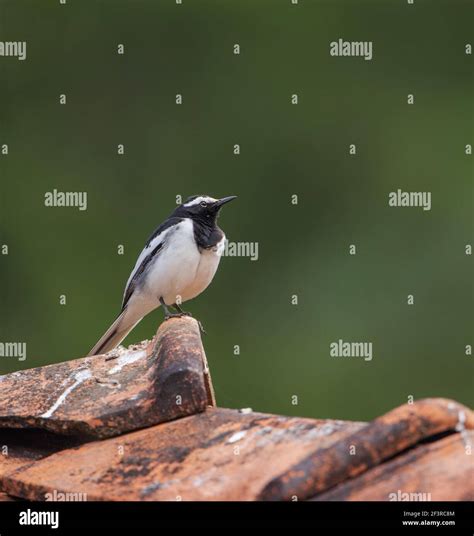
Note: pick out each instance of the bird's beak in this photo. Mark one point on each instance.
(218, 204)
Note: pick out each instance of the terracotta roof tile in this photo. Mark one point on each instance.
(139, 425)
(384, 438)
(220, 454)
(103, 396)
(439, 470)
(27, 446)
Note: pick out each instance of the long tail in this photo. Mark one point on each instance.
(115, 334)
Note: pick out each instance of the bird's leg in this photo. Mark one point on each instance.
(180, 311)
(168, 314)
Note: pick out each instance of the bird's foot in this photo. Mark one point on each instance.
(178, 308)
(173, 315)
(180, 314)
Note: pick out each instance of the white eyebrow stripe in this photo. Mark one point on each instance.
(199, 199)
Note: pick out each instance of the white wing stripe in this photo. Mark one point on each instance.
(147, 250)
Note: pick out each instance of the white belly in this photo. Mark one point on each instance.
(207, 267)
(181, 271)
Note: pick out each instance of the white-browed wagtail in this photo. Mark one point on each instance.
(177, 263)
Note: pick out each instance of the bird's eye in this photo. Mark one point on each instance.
(203, 204)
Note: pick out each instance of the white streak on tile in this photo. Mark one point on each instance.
(237, 436)
(127, 359)
(79, 377)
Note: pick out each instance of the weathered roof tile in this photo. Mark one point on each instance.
(54, 437)
(383, 438)
(107, 395)
(19, 447)
(440, 470)
(217, 455)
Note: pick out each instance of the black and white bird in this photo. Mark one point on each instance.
(177, 263)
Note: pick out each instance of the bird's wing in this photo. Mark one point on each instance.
(152, 248)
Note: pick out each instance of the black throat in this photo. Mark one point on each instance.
(207, 234)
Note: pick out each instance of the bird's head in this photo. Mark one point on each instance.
(203, 207)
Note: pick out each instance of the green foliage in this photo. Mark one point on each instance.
(286, 149)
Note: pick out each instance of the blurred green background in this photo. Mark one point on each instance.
(286, 149)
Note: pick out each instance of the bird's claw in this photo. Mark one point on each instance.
(173, 315)
(184, 313)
